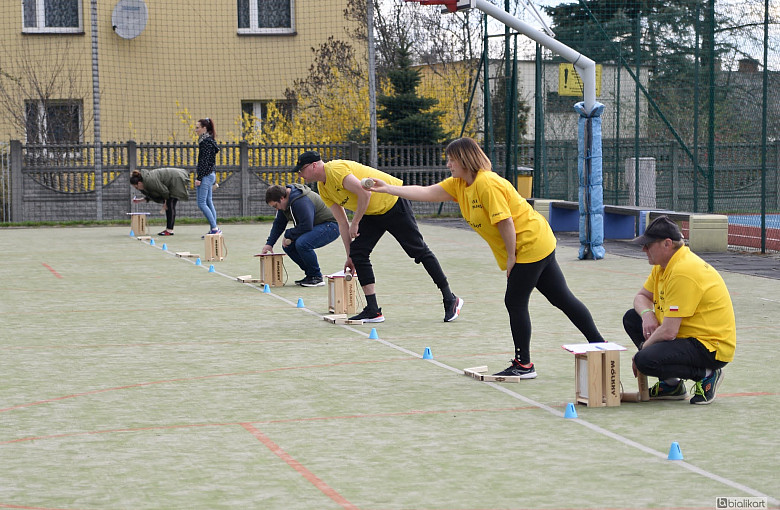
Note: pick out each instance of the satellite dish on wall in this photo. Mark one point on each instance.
(129, 18)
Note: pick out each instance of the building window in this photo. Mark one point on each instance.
(257, 113)
(59, 16)
(266, 17)
(53, 122)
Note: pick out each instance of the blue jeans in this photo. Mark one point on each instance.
(301, 251)
(205, 203)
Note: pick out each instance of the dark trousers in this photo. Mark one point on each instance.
(545, 275)
(683, 358)
(400, 223)
(170, 212)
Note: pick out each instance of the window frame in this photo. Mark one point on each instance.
(253, 29)
(260, 106)
(40, 121)
(40, 20)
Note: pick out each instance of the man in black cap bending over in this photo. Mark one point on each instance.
(374, 214)
(682, 321)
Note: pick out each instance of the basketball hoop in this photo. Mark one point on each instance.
(451, 5)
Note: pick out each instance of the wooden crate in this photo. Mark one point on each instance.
(342, 295)
(272, 269)
(597, 378)
(138, 223)
(215, 247)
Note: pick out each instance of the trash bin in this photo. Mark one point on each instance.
(525, 180)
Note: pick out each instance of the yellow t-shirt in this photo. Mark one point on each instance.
(332, 190)
(490, 199)
(692, 289)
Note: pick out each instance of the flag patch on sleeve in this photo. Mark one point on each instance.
(674, 308)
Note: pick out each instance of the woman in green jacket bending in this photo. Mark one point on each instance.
(165, 186)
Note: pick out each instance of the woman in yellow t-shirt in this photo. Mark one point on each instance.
(520, 238)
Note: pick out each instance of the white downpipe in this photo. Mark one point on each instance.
(585, 67)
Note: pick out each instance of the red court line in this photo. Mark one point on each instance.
(188, 379)
(300, 468)
(251, 372)
(55, 273)
(265, 422)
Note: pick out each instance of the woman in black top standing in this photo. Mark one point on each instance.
(207, 177)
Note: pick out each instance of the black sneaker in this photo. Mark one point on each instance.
(517, 369)
(663, 391)
(369, 315)
(312, 281)
(452, 308)
(298, 282)
(704, 391)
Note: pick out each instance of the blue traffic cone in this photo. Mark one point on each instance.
(373, 335)
(571, 412)
(266, 289)
(151, 242)
(427, 353)
(132, 234)
(211, 268)
(164, 247)
(674, 452)
(300, 303)
(197, 261)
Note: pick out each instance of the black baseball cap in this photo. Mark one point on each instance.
(660, 228)
(305, 158)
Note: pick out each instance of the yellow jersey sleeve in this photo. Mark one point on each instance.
(332, 190)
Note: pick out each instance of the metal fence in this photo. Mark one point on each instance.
(58, 183)
(5, 183)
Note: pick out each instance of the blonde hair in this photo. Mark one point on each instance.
(469, 154)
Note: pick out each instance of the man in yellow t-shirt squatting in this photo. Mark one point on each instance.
(683, 320)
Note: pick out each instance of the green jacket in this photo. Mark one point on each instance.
(161, 184)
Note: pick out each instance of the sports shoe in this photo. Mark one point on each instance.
(368, 315)
(516, 369)
(312, 281)
(663, 391)
(210, 232)
(165, 233)
(452, 308)
(704, 391)
(298, 282)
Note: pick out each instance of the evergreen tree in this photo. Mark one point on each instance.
(499, 106)
(407, 117)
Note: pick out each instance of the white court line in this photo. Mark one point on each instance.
(596, 428)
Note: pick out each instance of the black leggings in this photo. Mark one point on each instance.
(545, 275)
(400, 223)
(683, 358)
(170, 212)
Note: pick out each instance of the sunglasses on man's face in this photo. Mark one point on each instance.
(648, 245)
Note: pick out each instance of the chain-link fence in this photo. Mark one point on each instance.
(689, 86)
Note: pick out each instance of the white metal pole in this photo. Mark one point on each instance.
(585, 67)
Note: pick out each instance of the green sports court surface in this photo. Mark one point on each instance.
(133, 379)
